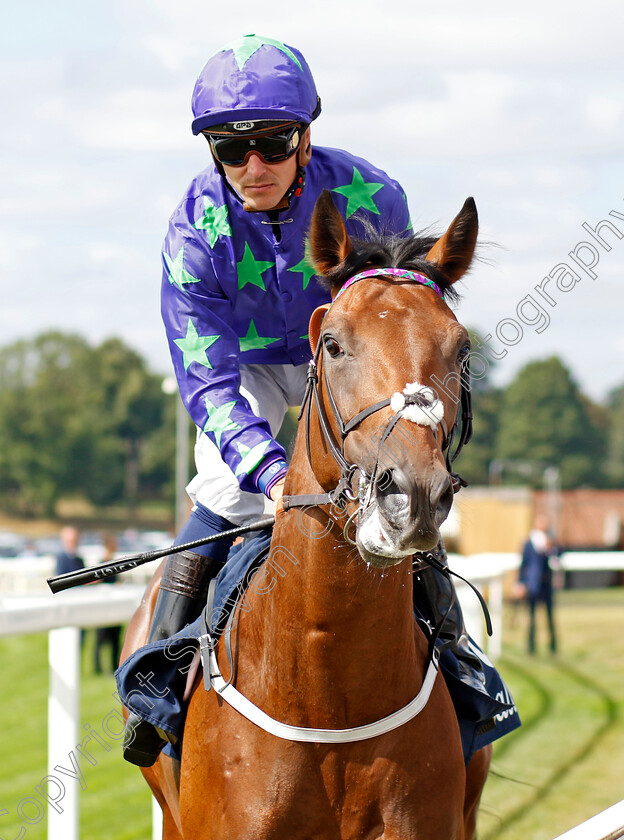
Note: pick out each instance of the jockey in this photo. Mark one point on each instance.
(237, 295)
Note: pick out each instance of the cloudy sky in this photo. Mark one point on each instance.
(524, 110)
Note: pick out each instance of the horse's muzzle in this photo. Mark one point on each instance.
(404, 515)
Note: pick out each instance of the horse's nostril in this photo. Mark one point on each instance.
(391, 495)
(384, 480)
(445, 501)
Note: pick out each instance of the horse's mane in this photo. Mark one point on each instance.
(387, 250)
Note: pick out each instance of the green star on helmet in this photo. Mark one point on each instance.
(178, 276)
(243, 48)
(194, 346)
(250, 270)
(219, 419)
(253, 341)
(215, 221)
(359, 194)
(250, 457)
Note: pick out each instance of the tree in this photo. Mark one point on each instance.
(474, 462)
(128, 405)
(546, 421)
(40, 435)
(73, 419)
(614, 466)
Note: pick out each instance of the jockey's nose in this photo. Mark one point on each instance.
(255, 164)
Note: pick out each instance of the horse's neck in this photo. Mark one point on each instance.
(331, 614)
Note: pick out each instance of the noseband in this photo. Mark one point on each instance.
(343, 492)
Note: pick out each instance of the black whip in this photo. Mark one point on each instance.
(114, 567)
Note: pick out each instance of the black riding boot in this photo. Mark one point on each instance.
(439, 593)
(180, 599)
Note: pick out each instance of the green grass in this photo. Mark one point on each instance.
(561, 767)
(564, 764)
(116, 804)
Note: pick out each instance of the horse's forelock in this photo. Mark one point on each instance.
(389, 251)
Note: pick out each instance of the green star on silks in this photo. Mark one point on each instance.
(194, 346)
(215, 221)
(250, 270)
(243, 48)
(178, 276)
(304, 266)
(359, 194)
(219, 419)
(253, 341)
(250, 458)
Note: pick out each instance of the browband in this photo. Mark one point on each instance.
(414, 276)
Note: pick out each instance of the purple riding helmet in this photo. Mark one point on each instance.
(250, 87)
(254, 78)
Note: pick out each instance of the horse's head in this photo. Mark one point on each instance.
(390, 343)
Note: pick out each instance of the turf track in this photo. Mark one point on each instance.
(562, 766)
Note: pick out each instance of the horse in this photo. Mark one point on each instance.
(334, 643)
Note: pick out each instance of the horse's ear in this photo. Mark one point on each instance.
(453, 252)
(314, 331)
(329, 241)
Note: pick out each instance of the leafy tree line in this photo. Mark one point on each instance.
(540, 420)
(80, 420)
(94, 422)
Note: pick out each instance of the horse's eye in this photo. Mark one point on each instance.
(464, 353)
(332, 347)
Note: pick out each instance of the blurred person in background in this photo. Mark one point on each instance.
(540, 563)
(68, 560)
(108, 635)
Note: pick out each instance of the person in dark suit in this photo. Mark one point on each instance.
(540, 558)
(67, 560)
(108, 635)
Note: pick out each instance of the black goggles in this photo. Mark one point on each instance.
(272, 148)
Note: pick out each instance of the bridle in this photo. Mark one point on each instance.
(343, 492)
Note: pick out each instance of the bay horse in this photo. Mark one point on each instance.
(335, 644)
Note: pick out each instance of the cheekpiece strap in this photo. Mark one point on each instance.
(414, 276)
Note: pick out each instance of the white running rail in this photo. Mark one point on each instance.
(100, 605)
(608, 825)
(62, 616)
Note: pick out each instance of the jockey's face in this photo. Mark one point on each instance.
(262, 185)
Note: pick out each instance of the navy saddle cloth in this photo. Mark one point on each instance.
(152, 681)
